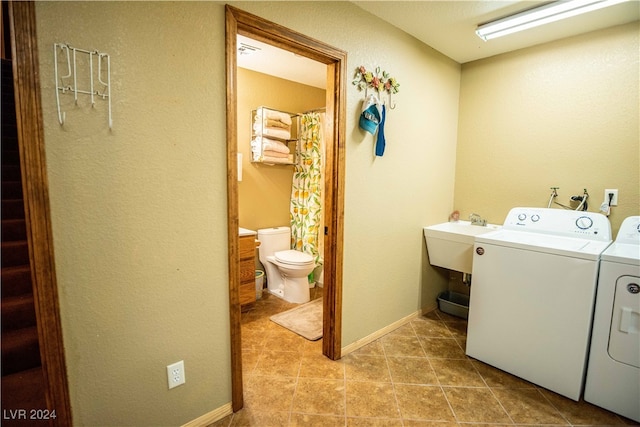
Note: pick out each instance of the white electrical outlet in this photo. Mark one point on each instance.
(614, 200)
(175, 374)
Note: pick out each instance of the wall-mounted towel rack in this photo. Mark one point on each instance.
(68, 83)
(273, 145)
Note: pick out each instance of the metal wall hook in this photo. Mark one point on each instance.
(63, 48)
(72, 72)
(61, 115)
(391, 105)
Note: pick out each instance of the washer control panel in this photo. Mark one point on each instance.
(587, 225)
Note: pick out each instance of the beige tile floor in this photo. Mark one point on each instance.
(417, 375)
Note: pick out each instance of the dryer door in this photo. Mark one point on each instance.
(624, 335)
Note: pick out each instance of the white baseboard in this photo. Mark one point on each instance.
(211, 417)
(384, 331)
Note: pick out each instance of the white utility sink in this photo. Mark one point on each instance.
(450, 244)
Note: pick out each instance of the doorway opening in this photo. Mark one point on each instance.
(242, 23)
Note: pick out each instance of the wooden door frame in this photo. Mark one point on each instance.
(246, 24)
(26, 78)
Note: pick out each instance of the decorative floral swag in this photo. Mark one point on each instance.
(379, 82)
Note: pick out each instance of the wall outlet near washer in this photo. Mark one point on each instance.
(614, 200)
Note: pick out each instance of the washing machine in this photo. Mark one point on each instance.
(532, 295)
(613, 375)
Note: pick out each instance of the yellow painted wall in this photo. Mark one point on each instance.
(139, 213)
(265, 191)
(564, 114)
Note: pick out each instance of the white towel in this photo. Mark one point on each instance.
(271, 153)
(269, 144)
(260, 143)
(275, 115)
(267, 159)
(272, 132)
(273, 123)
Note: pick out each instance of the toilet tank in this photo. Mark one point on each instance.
(273, 240)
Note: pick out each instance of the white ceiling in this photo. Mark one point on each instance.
(271, 60)
(447, 26)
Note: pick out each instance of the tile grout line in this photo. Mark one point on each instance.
(493, 394)
(393, 385)
(293, 397)
(553, 406)
(434, 371)
(344, 382)
(455, 417)
(478, 372)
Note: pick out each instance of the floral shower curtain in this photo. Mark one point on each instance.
(306, 188)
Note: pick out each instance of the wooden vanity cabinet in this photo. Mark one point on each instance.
(247, 271)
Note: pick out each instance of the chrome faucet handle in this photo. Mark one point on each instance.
(477, 219)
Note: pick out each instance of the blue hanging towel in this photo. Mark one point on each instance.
(380, 142)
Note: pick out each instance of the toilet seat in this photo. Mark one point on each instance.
(293, 257)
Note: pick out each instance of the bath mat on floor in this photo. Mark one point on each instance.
(305, 320)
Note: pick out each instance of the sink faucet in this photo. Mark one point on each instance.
(477, 220)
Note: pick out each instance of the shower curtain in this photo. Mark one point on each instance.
(306, 188)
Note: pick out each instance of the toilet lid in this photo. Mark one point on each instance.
(293, 257)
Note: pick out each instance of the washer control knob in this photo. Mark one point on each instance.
(584, 222)
(522, 217)
(535, 218)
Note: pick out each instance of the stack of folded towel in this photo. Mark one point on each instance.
(272, 151)
(269, 124)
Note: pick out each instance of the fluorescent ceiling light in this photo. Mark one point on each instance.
(539, 16)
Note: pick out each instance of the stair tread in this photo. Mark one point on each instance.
(12, 209)
(14, 243)
(13, 229)
(16, 300)
(14, 269)
(15, 253)
(16, 336)
(23, 390)
(12, 221)
(18, 312)
(20, 350)
(16, 280)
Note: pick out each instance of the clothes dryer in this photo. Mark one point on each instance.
(613, 376)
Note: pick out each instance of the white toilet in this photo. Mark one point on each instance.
(287, 269)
